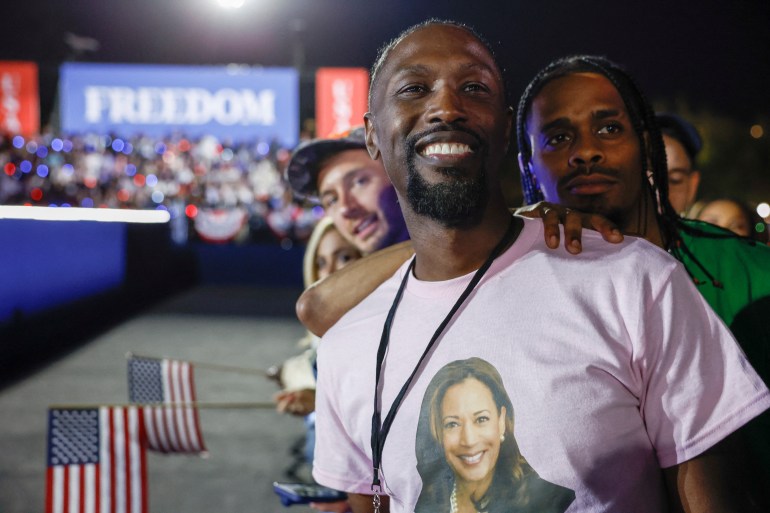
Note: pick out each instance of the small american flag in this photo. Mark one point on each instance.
(169, 428)
(96, 461)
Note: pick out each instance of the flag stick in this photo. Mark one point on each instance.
(211, 366)
(199, 405)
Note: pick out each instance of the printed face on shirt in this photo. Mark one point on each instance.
(357, 194)
(471, 428)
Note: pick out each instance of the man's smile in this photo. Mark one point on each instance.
(446, 149)
(367, 225)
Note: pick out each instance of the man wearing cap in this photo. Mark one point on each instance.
(354, 190)
(682, 143)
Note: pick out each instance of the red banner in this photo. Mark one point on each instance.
(19, 98)
(340, 99)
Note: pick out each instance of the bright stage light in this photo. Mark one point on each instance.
(84, 214)
(763, 209)
(230, 4)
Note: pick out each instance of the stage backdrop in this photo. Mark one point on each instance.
(340, 99)
(19, 98)
(236, 102)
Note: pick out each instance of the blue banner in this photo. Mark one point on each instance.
(240, 103)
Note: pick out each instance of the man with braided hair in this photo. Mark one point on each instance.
(589, 140)
(612, 408)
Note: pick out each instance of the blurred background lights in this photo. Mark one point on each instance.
(191, 211)
(130, 170)
(118, 145)
(18, 142)
(230, 4)
(87, 203)
(763, 209)
(57, 145)
(67, 169)
(263, 148)
(151, 180)
(32, 146)
(36, 194)
(128, 148)
(66, 146)
(757, 131)
(42, 152)
(157, 197)
(42, 171)
(9, 168)
(26, 166)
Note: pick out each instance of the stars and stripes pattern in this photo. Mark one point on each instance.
(173, 428)
(96, 461)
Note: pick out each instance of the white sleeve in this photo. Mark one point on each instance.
(339, 462)
(699, 385)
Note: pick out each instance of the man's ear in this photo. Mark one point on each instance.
(694, 178)
(372, 144)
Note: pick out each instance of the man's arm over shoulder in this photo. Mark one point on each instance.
(327, 300)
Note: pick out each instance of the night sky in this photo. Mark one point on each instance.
(709, 54)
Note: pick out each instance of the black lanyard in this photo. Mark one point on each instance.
(379, 434)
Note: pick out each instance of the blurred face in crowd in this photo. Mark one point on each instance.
(585, 152)
(439, 123)
(334, 252)
(358, 196)
(683, 180)
(727, 214)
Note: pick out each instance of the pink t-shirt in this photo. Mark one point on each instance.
(611, 361)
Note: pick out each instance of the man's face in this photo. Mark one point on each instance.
(439, 124)
(358, 196)
(683, 180)
(585, 153)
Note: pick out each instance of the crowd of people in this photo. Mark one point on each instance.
(568, 372)
(473, 360)
(227, 191)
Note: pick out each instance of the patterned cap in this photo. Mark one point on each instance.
(304, 165)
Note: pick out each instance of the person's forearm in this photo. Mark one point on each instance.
(363, 503)
(715, 481)
(324, 302)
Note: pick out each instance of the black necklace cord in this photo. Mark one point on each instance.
(379, 434)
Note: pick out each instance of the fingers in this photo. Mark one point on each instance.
(300, 403)
(606, 228)
(573, 231)
(551, 219)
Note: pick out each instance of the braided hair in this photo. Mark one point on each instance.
(652, 150)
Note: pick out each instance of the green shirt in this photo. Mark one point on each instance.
(742, 267)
